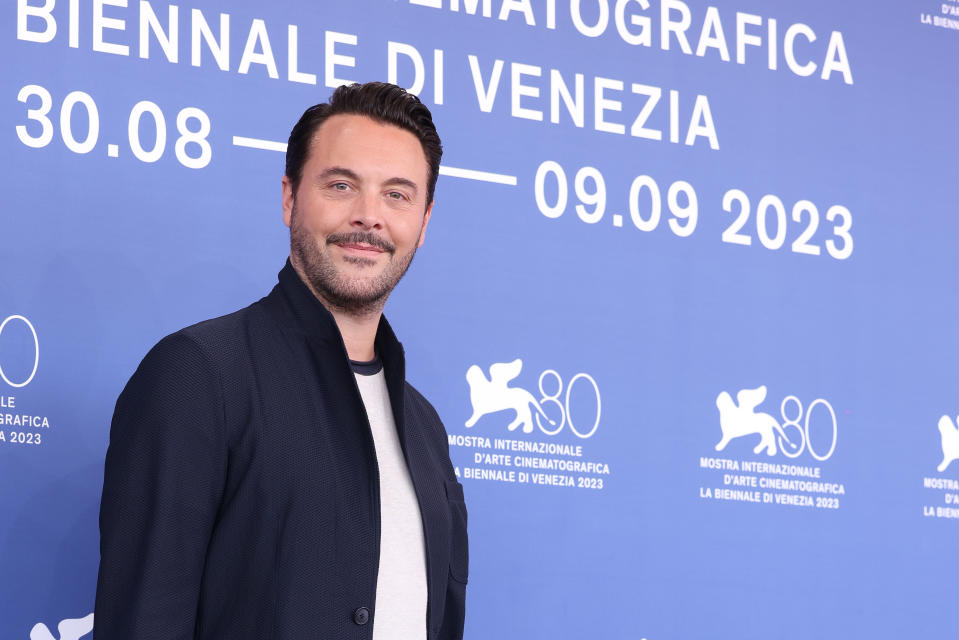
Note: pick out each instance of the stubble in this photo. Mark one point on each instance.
(356, 295)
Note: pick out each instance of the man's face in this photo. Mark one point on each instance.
(359, 213)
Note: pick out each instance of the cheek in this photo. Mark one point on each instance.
(306, 229)
(317, 221)
(411, 232)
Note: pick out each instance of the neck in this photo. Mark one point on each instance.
(358, 329)
(358, 333)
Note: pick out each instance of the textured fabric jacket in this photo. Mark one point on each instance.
(241, 491)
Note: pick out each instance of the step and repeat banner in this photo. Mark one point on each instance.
(687, 304)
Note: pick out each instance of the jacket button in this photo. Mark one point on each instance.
(361, 615)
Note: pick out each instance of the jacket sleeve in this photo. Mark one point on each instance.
(162, 485)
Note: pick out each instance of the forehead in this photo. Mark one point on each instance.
(368, 147)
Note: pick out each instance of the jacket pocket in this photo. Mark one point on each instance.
(459, 540)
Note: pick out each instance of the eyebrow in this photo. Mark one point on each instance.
(338, 171)
(402, 182)
(352, 175)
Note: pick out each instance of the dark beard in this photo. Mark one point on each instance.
(352, 296)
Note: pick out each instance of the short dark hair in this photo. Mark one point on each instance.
(380, 101)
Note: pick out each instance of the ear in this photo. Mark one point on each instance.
(723, 399)
(761, 393)
(945, 425)
(426, 221)
(287, 199)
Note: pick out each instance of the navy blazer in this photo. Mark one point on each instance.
(241, 491)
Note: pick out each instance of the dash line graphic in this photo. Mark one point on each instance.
(453, 172)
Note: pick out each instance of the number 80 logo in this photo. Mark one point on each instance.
(36, 352)
(548, 399)
(805, 439)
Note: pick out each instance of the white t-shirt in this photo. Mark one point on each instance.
(400, 610)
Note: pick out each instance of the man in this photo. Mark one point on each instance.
(270, 474)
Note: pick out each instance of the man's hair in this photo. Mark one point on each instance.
(381, 101)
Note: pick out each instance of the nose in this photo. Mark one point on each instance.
(367, 213)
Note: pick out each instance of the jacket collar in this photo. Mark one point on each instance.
(312, 318)
(309, 314)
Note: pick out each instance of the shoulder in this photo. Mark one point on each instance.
(196, 357)
(218, 336)
(175, 371)
(223, 343)
(416, 402)
(419, 409)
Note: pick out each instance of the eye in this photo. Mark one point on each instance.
(398, 196)
(340, 186)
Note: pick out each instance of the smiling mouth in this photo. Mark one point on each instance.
(362, 243)
(359, 246)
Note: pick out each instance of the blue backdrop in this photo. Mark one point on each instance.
(709, 248)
